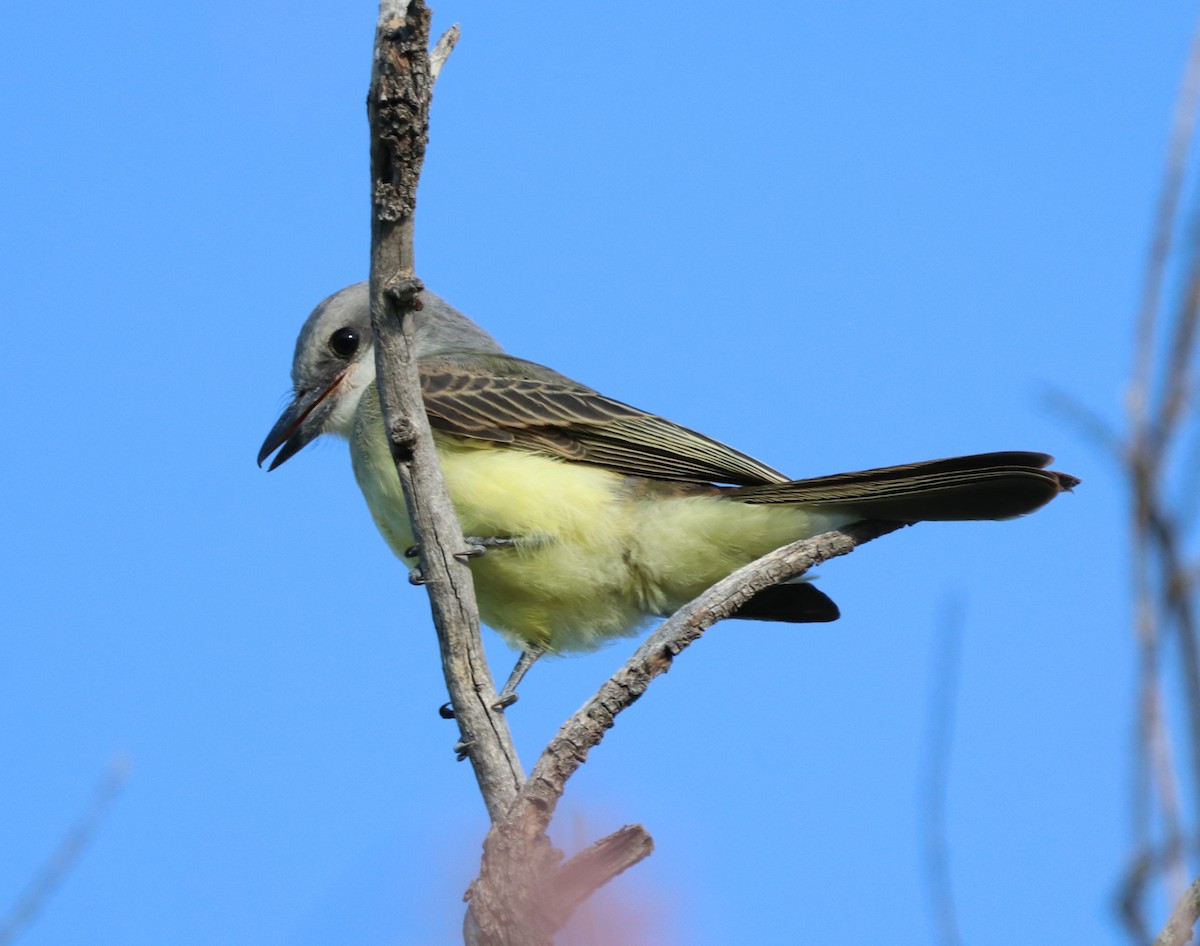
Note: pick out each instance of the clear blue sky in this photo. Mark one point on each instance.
(835, 235)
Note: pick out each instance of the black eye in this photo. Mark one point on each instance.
(344, 341)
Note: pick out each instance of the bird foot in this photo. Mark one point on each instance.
(505, 700)
(508, 694)
(479, 544)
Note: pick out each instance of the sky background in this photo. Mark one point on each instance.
(834, 235)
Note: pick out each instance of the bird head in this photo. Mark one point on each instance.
(334, 364)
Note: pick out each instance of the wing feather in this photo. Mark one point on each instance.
(527, 406)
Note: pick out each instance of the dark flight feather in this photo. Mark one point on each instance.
(530, 407)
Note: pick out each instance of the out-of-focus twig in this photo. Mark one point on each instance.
(52, 873)
(1160, 410)
(940, 728)
(1159, 255)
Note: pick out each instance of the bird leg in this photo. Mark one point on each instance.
(478, 545)
(508, 695)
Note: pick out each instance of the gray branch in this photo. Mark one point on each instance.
(442, 49)
(525, 892)
(398, 108)
(1178, 931)
(1161, 410)
(66, 855)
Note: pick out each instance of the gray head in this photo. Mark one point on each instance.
(334, 363)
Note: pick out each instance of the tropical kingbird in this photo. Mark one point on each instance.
(599, 516)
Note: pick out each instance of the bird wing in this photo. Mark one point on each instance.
(527, 406)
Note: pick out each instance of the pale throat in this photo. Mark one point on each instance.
(347, 396)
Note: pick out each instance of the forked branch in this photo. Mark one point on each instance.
(525, 891)
(517, 850)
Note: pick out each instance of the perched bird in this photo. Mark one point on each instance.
(598, 516)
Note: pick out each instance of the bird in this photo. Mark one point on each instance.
(598, 517)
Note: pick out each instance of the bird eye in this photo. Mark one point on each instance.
(344, 341)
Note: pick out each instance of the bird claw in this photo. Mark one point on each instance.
(508, 694)
(473, 550)
(480, 544)
(461, 749)
(505, 701)
(446, 711)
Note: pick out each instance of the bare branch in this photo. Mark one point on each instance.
(1168, 207)
(1160, 405)
(593, 867)
(1087, 422)
(65, 856)
(398, 107)
(441, 51)
(524, 894)
(943, 688)
(1177, 385)
(1178, 931)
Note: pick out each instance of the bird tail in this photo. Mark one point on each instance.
(982, 486)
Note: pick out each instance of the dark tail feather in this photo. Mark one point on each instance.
(800, 603)
(983, 486)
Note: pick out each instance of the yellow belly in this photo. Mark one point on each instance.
(597, 554)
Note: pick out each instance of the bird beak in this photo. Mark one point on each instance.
(300, 424)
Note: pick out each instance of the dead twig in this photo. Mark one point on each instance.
(67, 853)
(1160, 408)
(1178, 930)
(398, 108)
(943, 690)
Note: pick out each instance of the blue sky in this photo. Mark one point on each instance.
(834, 235)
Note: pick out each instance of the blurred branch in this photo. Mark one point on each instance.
(1160, 410)
(66, 855)
(398, 108)
(1175, 169)
(1090, 424)
(943, 689)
